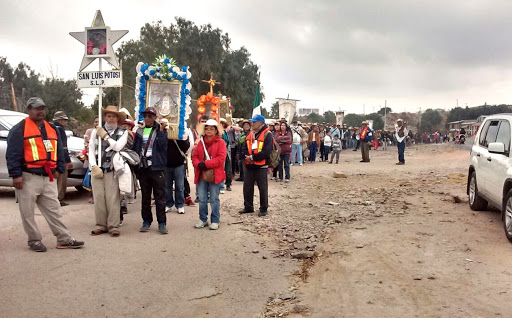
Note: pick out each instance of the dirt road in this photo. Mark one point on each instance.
(378, 241)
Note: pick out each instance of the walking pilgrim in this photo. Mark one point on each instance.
(401, 133)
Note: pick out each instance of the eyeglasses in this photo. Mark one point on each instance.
(209, 127)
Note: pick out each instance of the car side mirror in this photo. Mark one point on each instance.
(4, 134)
(496, 147)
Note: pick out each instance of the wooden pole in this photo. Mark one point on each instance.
(121, 88)
(14, 98)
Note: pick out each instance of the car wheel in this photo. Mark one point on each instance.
(507, 216)
(80, 189)
(476, 202)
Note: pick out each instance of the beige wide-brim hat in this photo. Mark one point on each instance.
(113, 109)
(364, 123)
(210, 122)
(127, 112)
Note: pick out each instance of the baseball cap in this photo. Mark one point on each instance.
(257, 118)
(35, 102)
(150, 110)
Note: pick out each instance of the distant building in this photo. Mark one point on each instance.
(470, 126)
(306, 111)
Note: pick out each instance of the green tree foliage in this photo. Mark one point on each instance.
(384, 110)
(274, 111)
(353, 120)
(25, 81)
(315, 118)
(430, 120)
(329, 117)
(378, 122)
(204, 49)
(459, 113)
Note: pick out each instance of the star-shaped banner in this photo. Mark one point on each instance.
(98, 41)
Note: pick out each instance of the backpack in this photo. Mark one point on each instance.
(275, 155)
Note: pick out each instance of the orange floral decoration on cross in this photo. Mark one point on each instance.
(209, 98)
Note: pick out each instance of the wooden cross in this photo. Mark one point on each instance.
(211, 82)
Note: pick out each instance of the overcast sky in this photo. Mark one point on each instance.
(329, 54)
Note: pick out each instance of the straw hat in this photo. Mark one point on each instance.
(113, 109)
(210, 122)
(127, 112)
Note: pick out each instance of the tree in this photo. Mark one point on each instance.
(204, 49)
(274, 111)
(430, 120)
(384, 110)
(378, 122)
(353, 120)
(330, 117)
(315, 118)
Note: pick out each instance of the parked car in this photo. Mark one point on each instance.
(75, 145)
(490, 169)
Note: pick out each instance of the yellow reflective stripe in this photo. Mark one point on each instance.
(35, 153)
(55, 150)
(260, 146)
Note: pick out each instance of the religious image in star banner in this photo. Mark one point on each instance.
(96, 41)
(165, 97)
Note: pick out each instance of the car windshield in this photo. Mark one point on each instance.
(12, 120)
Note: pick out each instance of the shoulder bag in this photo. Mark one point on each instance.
(207, 175)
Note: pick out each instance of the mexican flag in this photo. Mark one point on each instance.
(256, 109)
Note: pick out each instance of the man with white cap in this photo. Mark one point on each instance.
(400, 135)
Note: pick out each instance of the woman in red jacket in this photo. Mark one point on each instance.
(213, 158)
(283, 138)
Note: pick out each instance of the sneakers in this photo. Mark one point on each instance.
(37, 247)
(170, 209)
(300, 164)
(145, 227)
(200, 224)
(228, 188)
(181, 210)
(162, 229)
(286, 180)
(222, 191)
(72, 243)
(214, 226)
(273, 178)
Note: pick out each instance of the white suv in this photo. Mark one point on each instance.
(490, 169)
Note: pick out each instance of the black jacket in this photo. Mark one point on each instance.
(16, 158)
(64, 140)
(174, 157)
(159, 156)
(265, 151)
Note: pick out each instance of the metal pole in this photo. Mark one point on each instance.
(100, 106)
(385, 121)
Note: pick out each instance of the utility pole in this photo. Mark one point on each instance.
(364, 107)
(385, 121)
(13, 98)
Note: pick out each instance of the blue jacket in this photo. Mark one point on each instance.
(159, 156)
(16, 157)
(369, 135)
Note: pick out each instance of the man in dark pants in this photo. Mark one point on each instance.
(400, 135)
(150, 143)
(60, 120)
(365, 138)
(256, 151)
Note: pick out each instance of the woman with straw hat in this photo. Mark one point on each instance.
(105, 186)
(209, 155)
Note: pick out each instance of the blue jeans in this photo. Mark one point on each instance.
(296, 153)
(312, 151)
(204, 188)
(401, 150)
(327, 150)
(175, 175)
(284, 159)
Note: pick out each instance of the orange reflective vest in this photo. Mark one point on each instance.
(36, 153)
(363, 133)
(250, 139)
